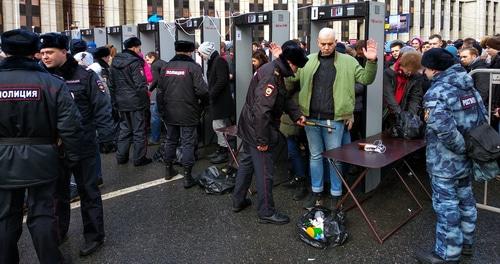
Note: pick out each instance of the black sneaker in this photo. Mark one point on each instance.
(313, 201)
(276, 219)
(246, 203)
(142, 161)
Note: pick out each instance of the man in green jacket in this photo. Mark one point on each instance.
(327, 97)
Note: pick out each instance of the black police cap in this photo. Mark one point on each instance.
(184, 46)
(54, 40)
(438, 59)
(20, 42)
(292, 52)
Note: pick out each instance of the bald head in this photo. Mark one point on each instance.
(326, 41)
(326, 33)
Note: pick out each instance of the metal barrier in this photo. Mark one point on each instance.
(494, 79)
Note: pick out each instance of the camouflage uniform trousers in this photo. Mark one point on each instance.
(455, 208)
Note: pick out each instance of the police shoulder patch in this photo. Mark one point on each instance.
(101, 86)
(426, 114)
(269, 89)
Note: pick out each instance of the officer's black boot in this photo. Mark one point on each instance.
(432, 258)
(188, 178)
(221, 156)
(170, 171)
(300, 191)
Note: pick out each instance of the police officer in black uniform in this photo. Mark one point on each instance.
(36, 112)
(182, 93)
(258, 127)
(93, 103)
(129, 94)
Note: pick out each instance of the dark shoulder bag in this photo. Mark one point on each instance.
(483, 147)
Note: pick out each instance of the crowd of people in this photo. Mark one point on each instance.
(81, 101)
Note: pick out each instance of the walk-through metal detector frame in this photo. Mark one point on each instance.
(96, 35)
(72, 34)
(494, 79)
(209, 30)
(201, 29)
(373, 14)
(158, 37)
(279, 32)
(116, 35)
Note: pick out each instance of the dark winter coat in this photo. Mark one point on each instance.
(481, 80)
(221, 101)
(267, 99)
(92, 101)
(156, 67)
(36, 112)
(182, 92)
(412, 98)
(127, 85)
(495, 99)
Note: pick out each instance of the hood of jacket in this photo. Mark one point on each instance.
(127, 57)
(457, 76)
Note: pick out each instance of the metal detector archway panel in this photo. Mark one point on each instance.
(373, 14)
(117, 34)
(279, 21)
(96, 35)
(199, 29)
(157, 37)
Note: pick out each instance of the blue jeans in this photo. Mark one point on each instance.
(295, 157)
(155, 122)
(320, 140)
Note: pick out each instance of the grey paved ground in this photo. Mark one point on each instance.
(167, 224)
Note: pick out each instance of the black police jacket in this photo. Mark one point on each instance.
(266, 100)
(91, 99)
(221, 101)
(35, 113)
(127, 82)
(182, 92)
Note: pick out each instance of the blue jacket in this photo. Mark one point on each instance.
(452, 107)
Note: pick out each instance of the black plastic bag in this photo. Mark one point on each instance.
(217, 181)
(334, 231)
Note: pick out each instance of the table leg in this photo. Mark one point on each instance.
(418, 179)
(354, 185)
(365, 216)
(412, 215)
(233, 154)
